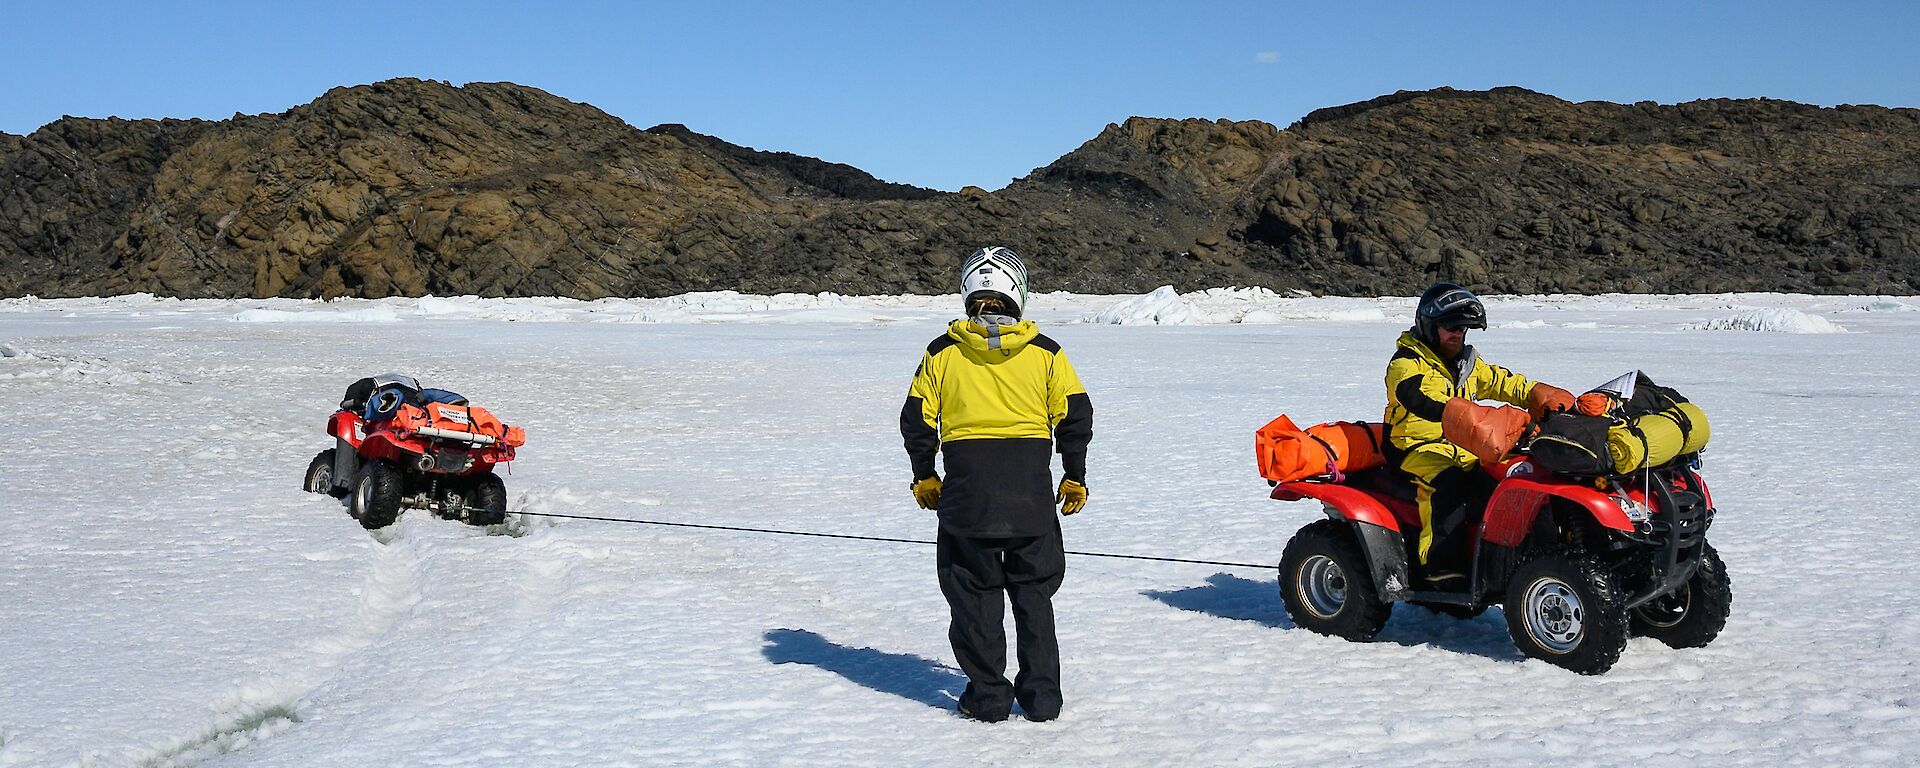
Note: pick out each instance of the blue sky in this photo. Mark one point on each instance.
(942, 94)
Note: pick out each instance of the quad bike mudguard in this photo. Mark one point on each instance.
(1518, 499)
(1374, 524)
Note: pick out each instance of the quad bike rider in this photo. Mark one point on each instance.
(400, 446)
(1593, 531)
(1432, 366)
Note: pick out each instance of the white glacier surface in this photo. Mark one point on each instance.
(173, 598)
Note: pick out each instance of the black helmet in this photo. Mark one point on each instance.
(1447, 305)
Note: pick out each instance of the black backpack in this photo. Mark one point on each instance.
(1571, 443)
(1649, 397)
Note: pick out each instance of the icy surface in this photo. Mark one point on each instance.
(1161, 307)
(1775, 320)
(172, 597)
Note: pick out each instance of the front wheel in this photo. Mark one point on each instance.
(1694, 614)
(1327, 585)
(1565, 610)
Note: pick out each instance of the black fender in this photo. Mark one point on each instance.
(1386, 556)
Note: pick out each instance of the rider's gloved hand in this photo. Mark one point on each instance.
(1072, 496)
(926, 492)
(1546, 398)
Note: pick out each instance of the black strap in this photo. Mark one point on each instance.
(1324, 444)
(1646, 451)
(1369, 432)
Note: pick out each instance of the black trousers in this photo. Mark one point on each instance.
(974, 572)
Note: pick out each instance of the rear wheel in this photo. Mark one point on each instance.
(319, 477)
(377, 490)
(1694, 614)
(1327, 585)
(1565, 610)
(487, 504)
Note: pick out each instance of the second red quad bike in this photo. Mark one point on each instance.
(399, 447)
(1578, 563)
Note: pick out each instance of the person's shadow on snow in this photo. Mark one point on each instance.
(911, 677)
(1240, 599)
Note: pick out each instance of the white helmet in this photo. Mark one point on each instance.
(997, 271)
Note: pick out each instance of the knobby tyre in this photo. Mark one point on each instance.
(487, 504)
(377, 492)
(1327, 584)
(1564, 608)
(1695, 613)
(319, 477)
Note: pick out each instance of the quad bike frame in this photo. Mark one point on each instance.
(437, 457)
(1641, 539)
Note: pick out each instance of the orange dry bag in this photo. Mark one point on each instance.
(1287, 453)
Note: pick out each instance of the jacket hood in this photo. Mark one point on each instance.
(982, 336)
(1412, 342)
(1459, 370)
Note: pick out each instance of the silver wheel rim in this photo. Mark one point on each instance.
(1556, 621)
(362, 497)
(1322, 586)
(322, 479)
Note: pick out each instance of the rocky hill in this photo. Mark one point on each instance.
(411, 187)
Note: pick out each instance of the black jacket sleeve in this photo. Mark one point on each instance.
(1417, 402)
(923, 441)
(1073, 434)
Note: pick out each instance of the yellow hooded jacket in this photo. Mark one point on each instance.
(993, 399)
(1419, 384)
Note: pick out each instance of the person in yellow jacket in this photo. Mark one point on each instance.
(993, 397)
(1432, 363)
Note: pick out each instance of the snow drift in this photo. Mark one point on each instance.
(1772, 320)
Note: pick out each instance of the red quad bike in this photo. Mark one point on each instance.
(402, 447)
(1577, 564)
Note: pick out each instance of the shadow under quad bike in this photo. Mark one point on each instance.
(1578, 564)
(398, 447)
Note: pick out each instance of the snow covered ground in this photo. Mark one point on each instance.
(173, 598)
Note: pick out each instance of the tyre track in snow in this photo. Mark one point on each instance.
(389, 593)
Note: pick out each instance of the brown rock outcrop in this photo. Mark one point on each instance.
(411, 187)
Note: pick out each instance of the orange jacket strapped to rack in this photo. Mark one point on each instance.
(1287, 453)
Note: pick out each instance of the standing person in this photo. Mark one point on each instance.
(1432, 364)
(993, 396)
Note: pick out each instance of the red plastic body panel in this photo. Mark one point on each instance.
(1519, 499)
(1510, 512)
(1384, 511)
(391, 441)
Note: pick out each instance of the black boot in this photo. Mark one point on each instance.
(1447, 563)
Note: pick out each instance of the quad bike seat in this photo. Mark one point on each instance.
(1390, 482)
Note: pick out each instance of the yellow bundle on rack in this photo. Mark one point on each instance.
(1658, 437)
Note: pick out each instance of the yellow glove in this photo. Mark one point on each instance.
(1072, 497)
(926, 491)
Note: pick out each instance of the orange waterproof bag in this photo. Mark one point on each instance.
(1286, 453)
(1486, 431)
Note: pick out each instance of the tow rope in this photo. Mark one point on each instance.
(873, 538)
